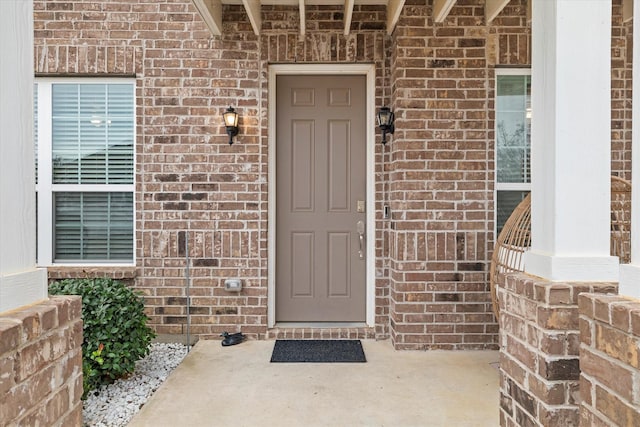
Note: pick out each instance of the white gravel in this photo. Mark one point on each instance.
(114, 405)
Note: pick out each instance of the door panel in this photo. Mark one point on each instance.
(302, 249)
(339, 145)
(320, 161)
(302, 165)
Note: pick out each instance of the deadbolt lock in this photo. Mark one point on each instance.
(360, 206)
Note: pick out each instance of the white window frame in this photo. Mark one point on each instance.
(45, 188)
(504, 186)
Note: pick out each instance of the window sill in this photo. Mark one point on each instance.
(113, 272)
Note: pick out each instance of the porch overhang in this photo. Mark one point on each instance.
(211, 11)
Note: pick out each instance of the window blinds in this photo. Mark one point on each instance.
(92, 133)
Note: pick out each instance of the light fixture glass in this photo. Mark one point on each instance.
(386, 122)
(231, 122)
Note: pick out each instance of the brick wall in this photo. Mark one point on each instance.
(442, 171)
(41, 364)
(621, 90)
(437, 172)
(540, 350)
(610, 344)
(190, 183)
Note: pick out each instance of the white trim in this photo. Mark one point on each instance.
(45, 188)
(311, 2)
(23, 288)
(512, 71)
(572, 268)
(318, 69)
(81, 80)
(93, 188)
(513, 186)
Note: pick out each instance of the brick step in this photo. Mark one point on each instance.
(307, 332)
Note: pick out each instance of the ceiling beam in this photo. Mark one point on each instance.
(441, 9)
(303, 22)
(492, 8)
(211, 12)
(254, 11)
(348, 15)
(394, 8)
(627, 10)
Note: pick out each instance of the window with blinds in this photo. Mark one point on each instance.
(513, 141)
(85, 146)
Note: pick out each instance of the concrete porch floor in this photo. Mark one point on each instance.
(238, 386)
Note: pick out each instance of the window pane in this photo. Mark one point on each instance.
(510, 91)
(92, 133)
(515, 164)
(513, 129)
(93, 226)
(505, 204)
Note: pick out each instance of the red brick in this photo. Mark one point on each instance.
(613, 375)
(620, 317)
(586, 390)
(10, 335)
(32, 358)
(615, 409)
(7, 373)
(558, 318)
(618, 345)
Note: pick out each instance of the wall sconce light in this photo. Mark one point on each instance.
(385, 122)
(231, 122)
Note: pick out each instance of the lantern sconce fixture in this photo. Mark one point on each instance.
(231, 122)
(385, 122)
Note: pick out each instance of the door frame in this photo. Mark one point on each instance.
(367, 70)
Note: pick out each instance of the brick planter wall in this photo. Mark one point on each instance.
(609, 360)
(539, 350)
(41, 364)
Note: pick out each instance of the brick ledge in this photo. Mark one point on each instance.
(114, 272)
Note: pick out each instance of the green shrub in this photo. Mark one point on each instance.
(116, 334)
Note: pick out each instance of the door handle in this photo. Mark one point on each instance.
(360, 227)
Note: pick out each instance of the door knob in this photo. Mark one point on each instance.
(360, 228)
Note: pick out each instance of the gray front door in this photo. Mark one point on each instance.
(321, 187)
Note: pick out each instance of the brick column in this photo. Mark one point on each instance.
(539, 350)
(610, 361)
(441, 181)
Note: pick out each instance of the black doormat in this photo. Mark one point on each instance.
(318, 351)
